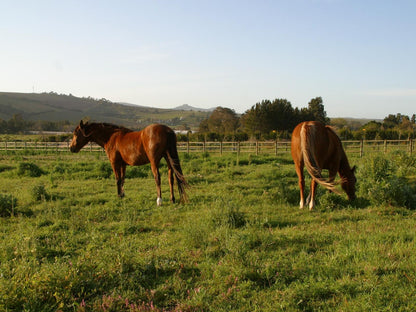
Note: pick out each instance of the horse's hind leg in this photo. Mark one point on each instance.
(156, 174)
(171, 182)
(311, 197)
(301, 177)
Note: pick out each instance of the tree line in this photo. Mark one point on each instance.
(392, 127)
(270, 120)
(265, 120)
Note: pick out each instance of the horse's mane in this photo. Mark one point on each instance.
(111, 126)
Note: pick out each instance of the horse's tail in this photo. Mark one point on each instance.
(173, 159)
(308, 138)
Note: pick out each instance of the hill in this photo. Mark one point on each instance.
(187, 107)
(60, 107)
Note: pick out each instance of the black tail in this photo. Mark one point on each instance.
(173, 159)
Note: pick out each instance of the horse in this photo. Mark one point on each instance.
(317, 147)
(126, 147)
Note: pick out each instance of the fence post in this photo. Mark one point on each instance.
(361, 148)
(257, 147)
(275, 148)
(221, 148)
(385, 146)
(410, 146)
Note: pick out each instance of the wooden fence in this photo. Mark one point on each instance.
(253, 147)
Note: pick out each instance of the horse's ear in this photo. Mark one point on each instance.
(83, 128)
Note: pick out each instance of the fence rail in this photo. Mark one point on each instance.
(254, 147)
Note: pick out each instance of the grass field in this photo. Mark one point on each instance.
(241, 243)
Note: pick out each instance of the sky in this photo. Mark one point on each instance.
(359, 56)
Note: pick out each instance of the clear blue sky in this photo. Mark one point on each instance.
(359, 56)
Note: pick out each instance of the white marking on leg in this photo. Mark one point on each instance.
(301, 204)
(311, 204)
(159, 201)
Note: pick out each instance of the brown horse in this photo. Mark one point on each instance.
(318, 147)
(126, 147)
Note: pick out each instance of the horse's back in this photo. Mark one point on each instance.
(315, 134)
(321, 140)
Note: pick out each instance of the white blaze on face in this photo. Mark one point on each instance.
(74, 141)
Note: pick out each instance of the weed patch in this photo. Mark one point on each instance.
(28, 169)
(7, 205)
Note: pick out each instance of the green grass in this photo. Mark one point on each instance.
(240, 244)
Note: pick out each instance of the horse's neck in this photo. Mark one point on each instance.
(101, 137)
(344, 166)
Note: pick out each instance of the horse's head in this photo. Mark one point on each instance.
(80, 138)
(348, 184)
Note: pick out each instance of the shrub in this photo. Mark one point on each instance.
(380, 183)
(29, 170)
(7, 205)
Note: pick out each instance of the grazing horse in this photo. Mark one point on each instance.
(126, 147)
(318, 147)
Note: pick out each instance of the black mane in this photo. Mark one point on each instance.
(109, 125)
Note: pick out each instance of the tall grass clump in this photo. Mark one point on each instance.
(103, 170)
(28, 169)
(229, 216)
(39, 193)
(382, 182)
(7, 205)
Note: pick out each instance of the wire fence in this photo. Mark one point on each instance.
(356, 147)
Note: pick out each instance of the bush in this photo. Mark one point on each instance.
(7, 205)
(29, 170)
(381, 183)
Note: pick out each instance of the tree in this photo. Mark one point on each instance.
(203, 126)
(268, 116)
(222, 120)
(317, 111)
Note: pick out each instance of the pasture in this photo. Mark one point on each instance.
(68, 243)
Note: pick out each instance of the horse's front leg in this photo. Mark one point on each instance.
(156, 174)
(120, 172)
(122, 178)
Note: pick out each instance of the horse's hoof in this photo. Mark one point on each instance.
(159, 201)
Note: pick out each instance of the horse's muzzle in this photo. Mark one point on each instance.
(73, 149)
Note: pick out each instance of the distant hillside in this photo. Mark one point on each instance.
(58, 107)
(187, 107)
